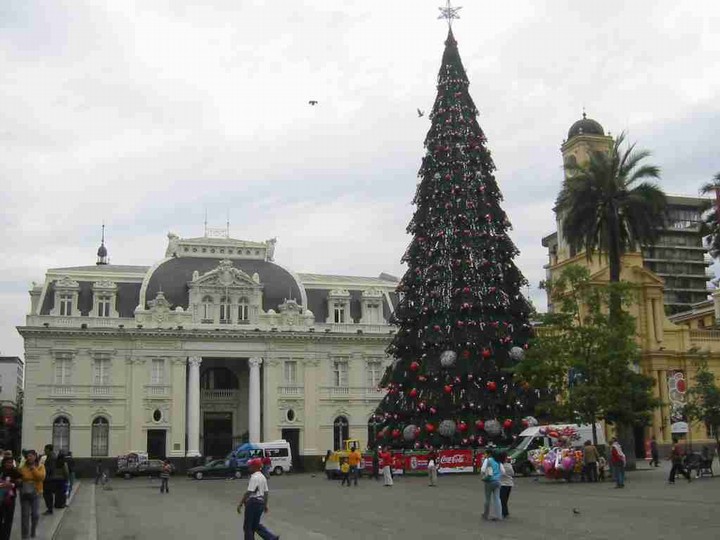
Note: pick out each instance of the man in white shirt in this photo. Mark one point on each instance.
(255, 501)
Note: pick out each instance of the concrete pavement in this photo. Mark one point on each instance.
(307, 507)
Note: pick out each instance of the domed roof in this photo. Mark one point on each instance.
(102, 251)
(173, 276)
(585, 126)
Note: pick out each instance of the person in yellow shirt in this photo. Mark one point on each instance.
(354, 460)
(345, 471)
(31, 490)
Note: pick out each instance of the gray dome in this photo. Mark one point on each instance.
(102, 251)
(174, 275)
(585, 126)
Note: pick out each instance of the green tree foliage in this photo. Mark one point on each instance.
(703, 399)
(587, 359)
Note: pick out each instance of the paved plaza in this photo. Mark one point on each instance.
(311, 507)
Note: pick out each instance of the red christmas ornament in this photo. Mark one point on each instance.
(479, 425)
(414, 366)
(436, 327)
(465, 354)
(492, 386)
(507, 424)
(525, 423)
(395, 433)
(448, 389)
(413, 393)
(486, 353)
(429, 427)
(466, 290)
(463, 427)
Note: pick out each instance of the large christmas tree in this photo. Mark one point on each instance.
(462, 319)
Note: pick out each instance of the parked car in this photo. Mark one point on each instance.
(220, 468)
(151, 467)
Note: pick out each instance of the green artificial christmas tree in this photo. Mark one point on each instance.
(463, 322)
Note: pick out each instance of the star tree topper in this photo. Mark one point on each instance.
(449, 12)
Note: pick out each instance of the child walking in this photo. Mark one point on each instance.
(345, 470)
(165, 477)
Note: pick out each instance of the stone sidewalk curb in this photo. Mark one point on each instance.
(57, 520)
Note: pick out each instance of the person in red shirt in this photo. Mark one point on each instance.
(266, 464)
(386, 464)
(617, 462)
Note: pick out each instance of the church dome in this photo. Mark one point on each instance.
(585, 126)
(102, 251)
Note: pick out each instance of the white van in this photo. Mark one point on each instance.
(531, 439)
(280, 455)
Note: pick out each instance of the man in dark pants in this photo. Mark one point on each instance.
(376, 464)
(654, 454)
(676, 456)
(255, 501)
(49, 485)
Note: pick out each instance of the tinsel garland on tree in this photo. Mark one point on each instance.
(463, 322)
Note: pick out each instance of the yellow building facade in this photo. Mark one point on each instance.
(670, 348)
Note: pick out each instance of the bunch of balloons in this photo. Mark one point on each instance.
(556, 462)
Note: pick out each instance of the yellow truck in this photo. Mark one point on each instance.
(332, 461)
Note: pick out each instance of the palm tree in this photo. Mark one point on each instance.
(607, 204)
(710, 225)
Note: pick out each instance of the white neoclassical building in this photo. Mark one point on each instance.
(213, 345)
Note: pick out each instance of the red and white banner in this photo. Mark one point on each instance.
(455, 461)
(416, 463)
(367, 462)
(398, 464)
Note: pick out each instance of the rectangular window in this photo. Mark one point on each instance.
(374, 373)
(157, 374)
(224, 311)
(66, 304)
(340, 373)
(101, 371)
(339, 313)
(103, 306)
(291, 372)
(243, 310)
(62, 371)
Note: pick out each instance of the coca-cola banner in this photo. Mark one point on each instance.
(367, 462)
(416, 463)
(455, 461)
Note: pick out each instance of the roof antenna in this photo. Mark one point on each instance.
(102, 253)
(584, 115)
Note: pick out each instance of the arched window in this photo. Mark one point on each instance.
(207, 309)
(100, 437)
(224, 310)
(373, 428)
(220, 378)
(341, 432)
(243, 309)
(61, 434)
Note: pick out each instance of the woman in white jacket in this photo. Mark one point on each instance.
(506, 482)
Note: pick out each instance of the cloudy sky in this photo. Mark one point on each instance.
(146, 113)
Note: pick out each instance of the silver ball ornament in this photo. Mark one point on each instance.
(447, 428)
(493, 428)
(447, 359)
(517, 353)
(410, 432)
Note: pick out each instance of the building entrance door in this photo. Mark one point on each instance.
(217, 434)
(292, 436)
(156, 441)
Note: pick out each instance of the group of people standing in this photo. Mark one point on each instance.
(497, 474)
(48, 477)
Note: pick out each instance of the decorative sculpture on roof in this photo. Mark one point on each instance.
(270, 249)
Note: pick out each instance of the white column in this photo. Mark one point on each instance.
(254, 400)
(193, 406)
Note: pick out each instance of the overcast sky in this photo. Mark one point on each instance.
(146, 113)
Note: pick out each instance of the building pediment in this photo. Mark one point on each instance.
(225, 276)
(633, 274)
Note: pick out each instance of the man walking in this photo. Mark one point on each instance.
(49, 485)
(676, 457)
(354, 459)
(590, 458)
(165, 477)
(255, 501)
(654, 455)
